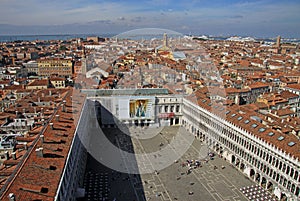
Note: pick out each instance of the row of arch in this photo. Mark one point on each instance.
(229, 135)
(254, 155)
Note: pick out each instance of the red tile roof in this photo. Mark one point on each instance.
(35, 179)
(258, 85)
(44, 82)
(246, 112)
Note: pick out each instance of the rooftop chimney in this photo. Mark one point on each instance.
(11, 197)
(57, 117)
(64, 106)
(13, 154)
(51, 125)
(25, 145)
(39, 152)
(42, 138)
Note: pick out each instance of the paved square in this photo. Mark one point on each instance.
(208, 182)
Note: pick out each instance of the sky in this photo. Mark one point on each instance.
(257, 18)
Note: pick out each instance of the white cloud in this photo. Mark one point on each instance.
(248, 15)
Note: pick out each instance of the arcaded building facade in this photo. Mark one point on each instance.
(270, 166)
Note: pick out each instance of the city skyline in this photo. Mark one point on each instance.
(163, 117)
(264, 18)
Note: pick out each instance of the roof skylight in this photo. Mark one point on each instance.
(254, 125)
(291, 144)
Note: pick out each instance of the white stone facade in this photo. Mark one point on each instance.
(261, 161)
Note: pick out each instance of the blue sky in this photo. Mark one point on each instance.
(214, 17)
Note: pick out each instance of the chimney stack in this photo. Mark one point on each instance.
(57, 117)
(51, 125)
(11, 197)
(42, 138)
(25, 145)
(13, 154)
(39, 152)
(64, 106)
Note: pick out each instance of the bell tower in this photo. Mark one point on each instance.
(165, 40)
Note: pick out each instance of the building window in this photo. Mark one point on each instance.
(172, 108)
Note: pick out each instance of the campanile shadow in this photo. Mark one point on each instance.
(112, 171)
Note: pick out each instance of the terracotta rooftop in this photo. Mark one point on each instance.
(258, 85)
(251, 122)
(294, 86)
(247, 118)
(44, 82)
(38, 177)
(57, 79)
